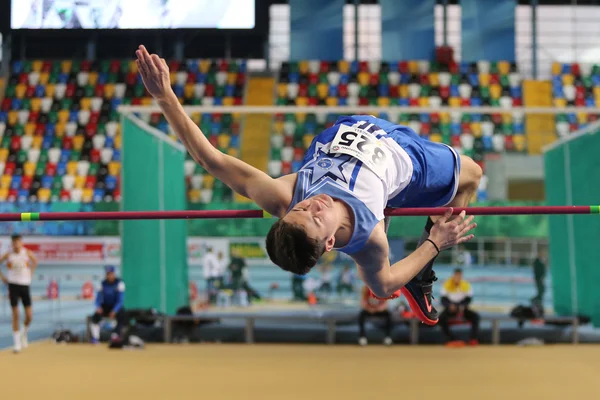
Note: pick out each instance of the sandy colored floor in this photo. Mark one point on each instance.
(48, 371)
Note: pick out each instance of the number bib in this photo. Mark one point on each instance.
(362, 145)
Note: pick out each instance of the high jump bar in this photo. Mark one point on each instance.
(235, 214)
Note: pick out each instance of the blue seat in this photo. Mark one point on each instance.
(178, 89)
(454, 91)
(294, 77)
(235, 142)
(73, 116)
(102, 78)
(218, 101)
(296, 165)
(17, 67)
(455, 128)
(23, 195)
(16, 104)
(47, 182)
(64, 156)
(63, 78)
(516, 92)
(354, 67)
(242, 66)
(404, 102)
(342, 101)
(115, 103)
(98, 195)
(404, 78)
(333, 91)
(487, 143)
(47, 142)
(3, 116)
(109, 142)
(384, 90)
(193, 65)
(111, 182)
(61, 168)
(163, 126)
(215, 128)
(229, 90)
(50, 129)
(474, 79)
(40, 91)
(475, 101)
(344, 79)
(117, 155)
(200, 77)
(424, 117)
(15, 183)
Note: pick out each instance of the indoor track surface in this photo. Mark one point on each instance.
(212, 371)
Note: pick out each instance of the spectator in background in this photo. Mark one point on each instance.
(539, 275)
(298, 293)
(110, 299)
(464, 257)
(212, 271)
(238, 270)
(346, 280)
(372, 307)
(456, 297)
(325, 286)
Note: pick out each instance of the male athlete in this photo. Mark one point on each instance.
(352, 172)
(21, 264)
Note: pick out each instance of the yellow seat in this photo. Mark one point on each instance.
(223, 141)
(194, 195)
(503, 67)
(301, 101)
(78, 141)
(423, 101)
(331, 101)
(278, 127)
(173, 137)
(36, 104)
(363, 78)
(582, 118)
(568, 79)
(476, 129)
(322, 89)
(20, 90)
(50, 89)
(61, 128)
(114, 168)
(560, 103)
(29, 128)
(507, 118)
(147, 101)
(597, 91)
(484, 79)
(29, 168)
(5, 181)
(3, 194)
(44, 78)
(343, 66)
(435, 137)
(300, 118)
(228, 101)
(44, 195)
(66, 66)
(93, 78)
(109, 90)
(85, 103)
(495, 91)
(3, 154)
(13, 117)
(88, 195)
(231, 78)
(307, 140)
(383, 101)
(519, 142)
(133, 67)
(173, 76)
(63, 116)
(37, 65)
(118, 142)
(208, 181)
(413, 67)
(72, 168)
(196, 117)
(204, 65)
(80, 181)
(403, 91)
(303, 67)
(233, 152)
(556, 68)
(37, 142)
(445, 118)
(434, 79)
(188, 90)
(282, 90)
(454, 101)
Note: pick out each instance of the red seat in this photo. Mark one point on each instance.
(509, 145)
(155, 118)
(6, 104)
(235, 128)
(573, 127)
(213, 139)
(303, 91)
(497, 119)
(455, 141)
(444, 92)
(494, 79)
(343, 91)
(131, 78)
(286, 167)
(313, 79)
(424, 79)
(298, 154)
(223, 66)
(136, 101)
(288, 141)
(465, 102)
(324, 67)
(46, 66)
(374, 79)
(363, 101)
(12, 194)
(240, 79)
(174, 66)
(575, 70)
(70, 91)
(90, 182)
(403, 67)
(67, 143)
(238, 101)
(191, 78)
(425, 128)
(95, 156)
(209, 91)
(363, 66)
(50, 169)
(30, 92)
(99, 91)
(33, 116)
(453, 68)
(24, 78)
(94, 117)
(65, 195)
(91, 129)
(86, 65)
(26, 182)
(40, 129)
(15, 143)
(115, 66)
(465, 127)
(9, 168)
(413, 102)
(518, 102)
(117, 193)
(434, 118)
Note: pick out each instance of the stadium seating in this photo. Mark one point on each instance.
(575, 85)
(59, 125)
(418, 84)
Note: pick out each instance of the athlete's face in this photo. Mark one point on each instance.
(317, 216)
(110, 276)
(17, 245)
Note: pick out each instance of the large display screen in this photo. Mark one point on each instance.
(132, 14)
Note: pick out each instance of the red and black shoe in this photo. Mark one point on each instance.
(419, 294)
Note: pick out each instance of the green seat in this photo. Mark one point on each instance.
(504, 81)
(465, 118)
(445, 129)
(139, 90)
(211, 78)
(446, 139)
(57, 142)
(323, 78)
(394, 101)
(425, 91)
(434, 67)
(197, 101)
(226, 120)
(57, 183)
(55, 193)
(373, 101)
(65, 104)
(468, 153)
(561, 118)
(495, 102)
(276, 154)
(484, 92)
(22, 156)
(53, 78)
(281, 101)
(104, 66)
(26, 105)
(19, 130)
(101, 128)
(220, 91)
(507, 129)
(312, 91)
(293, 66)
(53, 117)
(93, 171)
(56, 68)
(6, 142)
(493, 67)
(383, 78)
(40, 169)
(43, 156)
(455, 80)
(126, 101)
(75, 155)
(205, 127)
(234, 66)
(11, 91)
(124, 66)
(89, 91)
(76, 67)
(587, 82)
(27, 66)
(112, 77)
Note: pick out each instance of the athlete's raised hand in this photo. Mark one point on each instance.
(446, 233)
(155, 73)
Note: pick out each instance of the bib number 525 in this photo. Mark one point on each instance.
(364, 144)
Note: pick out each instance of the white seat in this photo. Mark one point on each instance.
(221, 78)
(33, 155)
(33, 78)
(374, 66)
(435, 101)
(274, 168)
(23, 116)
(292, 90)
(199, 89)
(518, 117)
(569, 91)
(394, 78)
(59, 90)
(352, 101)
(111, 129)
(464, 90)
(506, 102)
(276, 141)
(2, 165)
(415, 126)
(321, 118)
(455, 116)
(444, 78)
(189, 166)
(208, 101)
(353, 89)
(181, 77)
(54, 155)
(120, 90)
(68, 182)
(289, 127)
(46, 104)
(98, 141)
(483, 67)
(586, 69)
(26, 142)
(466, 141)
(83, 78)
(206, 195)
(414, 90)
(313, 66)
(2, 128)
(498, 142)
(487, 128)
(96, 103)
(70, 129)
(514, 79)
(83, 168)
(76, 195)
(106, 155)
(423, 66)
(562, 128)
(287, 153)
(83, 117)
(197, 181)
(333, 78)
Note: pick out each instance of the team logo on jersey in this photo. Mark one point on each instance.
(335, 148)
(325, 163)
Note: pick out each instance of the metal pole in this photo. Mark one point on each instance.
(356, 4)
(534, 57)
(445, 22)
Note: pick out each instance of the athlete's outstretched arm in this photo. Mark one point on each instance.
(2, 261)
(270, 194)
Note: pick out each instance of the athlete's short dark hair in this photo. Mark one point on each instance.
(15, 237)
(291, 249)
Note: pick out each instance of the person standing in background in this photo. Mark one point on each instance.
(211, 266)
(220, 278)
(539, 275)
(238, 270)
(372, 307)
(456, 298)
(110, 299)
(21, 264)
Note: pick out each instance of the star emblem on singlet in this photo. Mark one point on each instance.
(326, 165)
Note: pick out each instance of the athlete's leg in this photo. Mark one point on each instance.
(15, 328)
(468, 182)
(26, 323)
